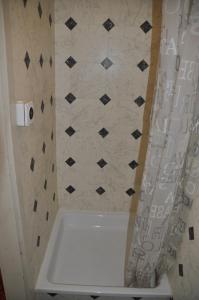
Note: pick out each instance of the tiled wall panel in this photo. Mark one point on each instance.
(30, 45)
(101, 64)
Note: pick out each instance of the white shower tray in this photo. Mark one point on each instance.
(85, 256)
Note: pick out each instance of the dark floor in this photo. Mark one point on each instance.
(2, 294)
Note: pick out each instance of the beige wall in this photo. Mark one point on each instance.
(11, 266)
(27, 31)
(89, 43)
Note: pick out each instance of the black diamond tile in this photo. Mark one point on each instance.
(51, 100)
(45, 184)
(44, 147)
(103, 132)
(27, 59)
(102, 163)
(38, 241)
(100, 190)
(35, 206)
(54, 196)
(106, 63)
(139, 101)
(41, 60)
(136, 134)
(94, 297)
(146, 26)
(180, 269)
(130, 192)
(142, 65)
(70, 98)
(42, 106)
(47, 216)
(53, 168)
(70, 161)
(70, 131)
(52, 135)
(133, 164)
(191, 233)
(108, 24)
(70, 23)
(51, 61)
(70, 62)
(105, 99)
(70, 189)
(24, 3)
(39, 9)
(32, 164)
(52, 294)
(50, 19)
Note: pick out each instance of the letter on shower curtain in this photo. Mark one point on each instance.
(171, 172)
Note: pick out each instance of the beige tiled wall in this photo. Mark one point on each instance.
(29, 29)
(89, 43)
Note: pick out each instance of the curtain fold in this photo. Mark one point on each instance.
(170, 174)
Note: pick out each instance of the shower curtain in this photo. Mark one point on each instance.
(171, 172)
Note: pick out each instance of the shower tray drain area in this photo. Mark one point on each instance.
(86, 256)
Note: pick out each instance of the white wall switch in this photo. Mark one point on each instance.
(24, 113)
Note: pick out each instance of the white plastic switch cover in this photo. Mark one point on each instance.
(24, 113)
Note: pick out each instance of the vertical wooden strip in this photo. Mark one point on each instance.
(155, 50)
